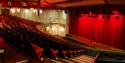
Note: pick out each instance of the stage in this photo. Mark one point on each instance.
(93, 45)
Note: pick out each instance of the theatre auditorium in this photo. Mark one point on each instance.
(62, 31)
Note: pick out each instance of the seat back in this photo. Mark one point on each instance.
(28, 48)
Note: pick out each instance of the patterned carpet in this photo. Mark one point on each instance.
(78, 59)
(83, 59)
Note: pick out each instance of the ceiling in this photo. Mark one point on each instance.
(56, 3)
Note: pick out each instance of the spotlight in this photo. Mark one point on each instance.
(91, 11)
(115, 12)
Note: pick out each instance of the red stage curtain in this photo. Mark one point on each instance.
(81, 26)
(85, 27)
(109, 31)
(98, 29)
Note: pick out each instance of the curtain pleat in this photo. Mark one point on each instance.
(108, 31)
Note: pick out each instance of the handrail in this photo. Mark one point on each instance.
(95, 58)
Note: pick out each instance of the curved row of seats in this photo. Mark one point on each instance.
(106, 57)
(25, 20)
(18, 40)
(28, 39)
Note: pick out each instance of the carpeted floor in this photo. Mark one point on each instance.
(11, 55)
(78, 59)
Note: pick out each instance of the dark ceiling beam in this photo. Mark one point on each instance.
(68, 1)
(38, 3)
(64, 2)
(15, 0)
(32, 0)
(32, 3)
(9, 3)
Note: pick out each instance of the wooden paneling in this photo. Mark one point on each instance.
(5, 11)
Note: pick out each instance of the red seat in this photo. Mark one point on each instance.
(38, 50)
(1, 42)
(54, 52)
(75, 51)
(71, 51)
(64, 52)
(80, 51)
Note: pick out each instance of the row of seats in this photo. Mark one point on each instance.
(103, 56)
(20, 41)
(28, 39)
(110, 57)
(25, 20)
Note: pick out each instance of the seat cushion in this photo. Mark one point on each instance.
(54, 52)
(64, 52)
(38, 50)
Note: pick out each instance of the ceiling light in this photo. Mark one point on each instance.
(34, 11)
(53, 28)
(31, 8)
(47, 28)
(18, 10)
(61, 28)
(40, 11)
(26, 10)
(12, 10)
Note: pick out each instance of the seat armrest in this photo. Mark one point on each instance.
(1, 50)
